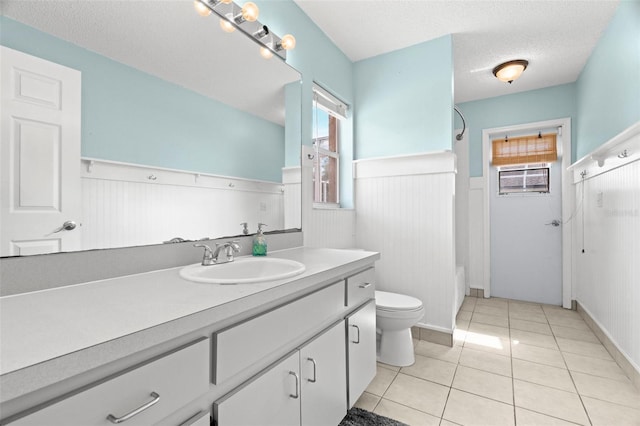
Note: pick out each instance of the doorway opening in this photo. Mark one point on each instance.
(527, 248)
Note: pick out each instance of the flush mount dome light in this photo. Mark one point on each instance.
(511, 70)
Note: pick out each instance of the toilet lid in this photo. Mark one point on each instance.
(385, 300)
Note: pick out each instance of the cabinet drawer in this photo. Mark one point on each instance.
(361, 287)
(173, 380)
(242, 345)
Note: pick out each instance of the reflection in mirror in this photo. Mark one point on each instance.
(142, 124)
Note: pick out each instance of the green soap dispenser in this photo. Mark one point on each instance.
(260, 242)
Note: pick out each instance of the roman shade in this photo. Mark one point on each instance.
(524, 150)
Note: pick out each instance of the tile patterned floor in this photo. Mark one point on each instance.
(513, 363)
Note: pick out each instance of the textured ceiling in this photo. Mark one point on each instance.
(166, 38)
(555, 36)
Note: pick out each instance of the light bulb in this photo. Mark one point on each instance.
(250, 12)
(201, 8)
(266, 53)
(288, 42)
(226, 26)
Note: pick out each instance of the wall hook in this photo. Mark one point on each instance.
(152, 177)
(310, 156)
(623, 154)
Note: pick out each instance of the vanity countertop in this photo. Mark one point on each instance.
(51, 335)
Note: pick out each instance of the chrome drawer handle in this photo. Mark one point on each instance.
(135, 412)
(297, 395)
(357, 328)
(314, 370)
(365, 285)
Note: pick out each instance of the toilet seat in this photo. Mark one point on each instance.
(393, 302)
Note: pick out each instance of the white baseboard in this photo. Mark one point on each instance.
(628, 366)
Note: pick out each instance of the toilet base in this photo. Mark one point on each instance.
(396, 348)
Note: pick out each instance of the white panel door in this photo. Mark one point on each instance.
(526, 250)
(323, 377)
(39, 156)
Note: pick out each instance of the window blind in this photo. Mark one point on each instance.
(524, 150)
(329, 103)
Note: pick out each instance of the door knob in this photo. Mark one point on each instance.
(69, 225)
(554, 222)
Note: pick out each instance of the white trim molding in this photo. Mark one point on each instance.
(619, 151)
(129, 172)
(405, 165)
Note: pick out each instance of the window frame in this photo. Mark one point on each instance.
(524, 168)
(336, 110)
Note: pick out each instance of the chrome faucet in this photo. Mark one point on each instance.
(207, 259)
(223, 253)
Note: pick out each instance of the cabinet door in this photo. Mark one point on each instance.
(324, 378)
(361, 347)
(272, 399)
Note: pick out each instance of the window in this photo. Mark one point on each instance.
(527, 178)
(328, 111)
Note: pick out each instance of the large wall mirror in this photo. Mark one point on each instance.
(183, 128)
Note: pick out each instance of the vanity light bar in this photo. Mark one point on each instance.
(245, 20)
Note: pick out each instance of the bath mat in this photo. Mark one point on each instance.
(360, 417)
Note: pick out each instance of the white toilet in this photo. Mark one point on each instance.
(395, 315)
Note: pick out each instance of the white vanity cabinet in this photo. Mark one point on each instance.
(272, 399)
(243, 345)
(360, 288)
(361, 332)
(317, 383)
(307, 387)
(323, 378)
(361, 350)
(199, 419)
(141, 396)
(298, 352)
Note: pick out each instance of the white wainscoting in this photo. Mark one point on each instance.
(292, 184)
(138, 205)
(461, 149)
(332, 228)
(607, 228)
(476, 233)
(405, 211)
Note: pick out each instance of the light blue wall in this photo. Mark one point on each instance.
(319, 60)
(525, 107)
(404, 100)
(131, 116)
(608, 94)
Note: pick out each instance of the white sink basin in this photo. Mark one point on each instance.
(243, 271)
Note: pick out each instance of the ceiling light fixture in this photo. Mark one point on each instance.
(266, 53)
(249, 12)
(226, 25)
(245, 19)
(287, 42)
(201, 8)
(510, 70)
